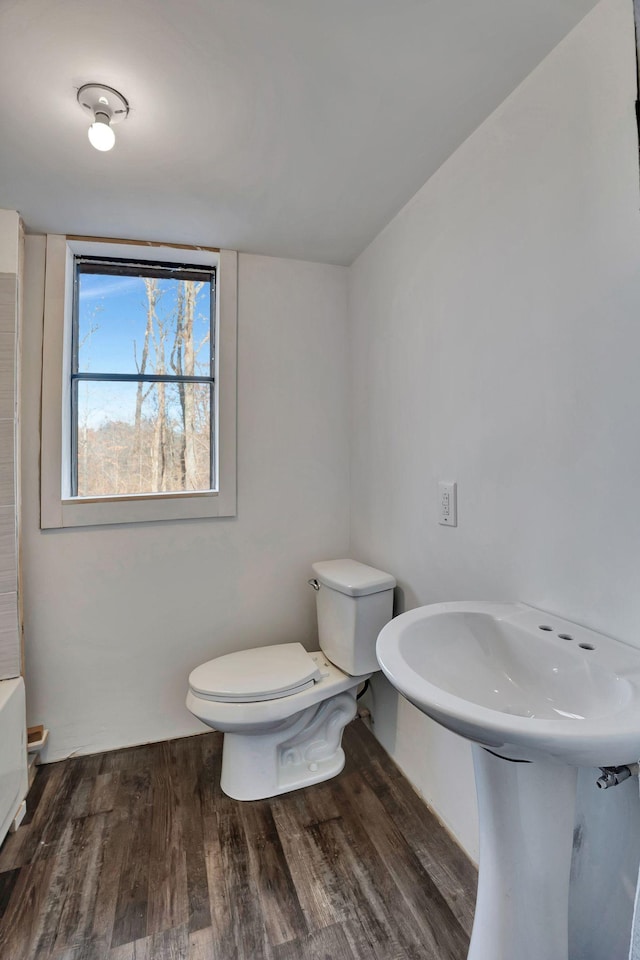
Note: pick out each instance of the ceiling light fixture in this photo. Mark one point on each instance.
(106, 107)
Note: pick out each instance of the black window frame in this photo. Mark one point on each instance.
(134, 267)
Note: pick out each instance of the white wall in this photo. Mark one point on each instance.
(116, 617)
(495, 331)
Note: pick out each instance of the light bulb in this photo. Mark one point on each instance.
(101, 135)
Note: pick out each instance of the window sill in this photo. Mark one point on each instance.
(83, 512)
(137, 497)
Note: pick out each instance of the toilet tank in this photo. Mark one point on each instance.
(354, 602)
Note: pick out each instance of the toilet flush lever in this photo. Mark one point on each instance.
(314, 584)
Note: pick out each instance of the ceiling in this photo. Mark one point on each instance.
(286, 127)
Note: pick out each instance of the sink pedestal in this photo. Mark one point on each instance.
(526, 813)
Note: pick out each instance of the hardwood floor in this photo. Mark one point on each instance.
(138, 855)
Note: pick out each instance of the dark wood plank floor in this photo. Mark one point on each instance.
(138, 855)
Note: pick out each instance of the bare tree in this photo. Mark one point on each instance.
(160, 446)
(183, 363)
(153, 296)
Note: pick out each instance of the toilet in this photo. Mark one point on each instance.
(282, 710)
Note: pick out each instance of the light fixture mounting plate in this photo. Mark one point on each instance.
(98, 98)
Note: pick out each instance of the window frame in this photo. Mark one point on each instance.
(58, 508)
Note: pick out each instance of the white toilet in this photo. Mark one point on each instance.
(282, 710)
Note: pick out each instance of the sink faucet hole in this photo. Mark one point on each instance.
(543, 626)
(586, 646)
(565, 636)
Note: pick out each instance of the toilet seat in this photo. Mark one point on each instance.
(261, 715)
(256, 675)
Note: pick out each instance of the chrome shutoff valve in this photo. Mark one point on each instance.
(612, 776)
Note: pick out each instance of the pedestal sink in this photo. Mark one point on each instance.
(537, 697)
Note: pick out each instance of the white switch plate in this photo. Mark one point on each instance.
(447, 503)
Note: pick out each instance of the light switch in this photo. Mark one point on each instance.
(447, 505)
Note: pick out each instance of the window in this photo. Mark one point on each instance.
(138, 415)
(142, 378)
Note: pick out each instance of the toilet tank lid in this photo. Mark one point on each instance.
(351, 577)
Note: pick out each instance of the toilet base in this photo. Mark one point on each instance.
(302, 750)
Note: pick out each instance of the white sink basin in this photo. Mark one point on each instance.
(519, 681)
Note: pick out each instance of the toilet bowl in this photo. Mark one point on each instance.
(281, 743)
(282, 709)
